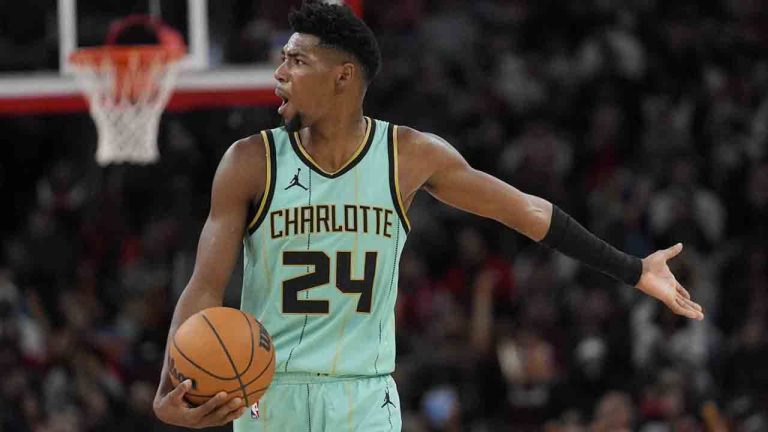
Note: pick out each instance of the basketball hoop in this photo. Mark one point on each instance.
(127, 88)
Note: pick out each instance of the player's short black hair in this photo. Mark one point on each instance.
(337, 27)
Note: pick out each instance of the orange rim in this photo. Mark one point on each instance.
(124, 54)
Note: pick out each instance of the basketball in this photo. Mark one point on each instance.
(222, 349)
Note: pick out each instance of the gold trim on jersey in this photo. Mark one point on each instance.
(397, 182)
(263, 414)
(267, 270)
(265, 195)
(350, 406)
(359, 150)
(340, 340)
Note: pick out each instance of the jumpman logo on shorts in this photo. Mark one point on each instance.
(387, 400)
(295, 182)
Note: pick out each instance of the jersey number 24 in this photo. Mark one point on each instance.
(322, 275)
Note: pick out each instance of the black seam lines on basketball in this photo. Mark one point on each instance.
(220, 377)
(198, 366)
(253, 345)
(212, 395)
(202, 369)
(246, 384)
(229, 357)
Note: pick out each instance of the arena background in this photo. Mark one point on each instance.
(647, 120)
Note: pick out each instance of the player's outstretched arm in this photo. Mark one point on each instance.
(449, 178)
(239, 179)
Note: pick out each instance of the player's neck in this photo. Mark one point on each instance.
(332, 142)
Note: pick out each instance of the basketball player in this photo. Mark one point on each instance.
(320, 205)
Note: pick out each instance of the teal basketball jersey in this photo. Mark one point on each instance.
(322, 256)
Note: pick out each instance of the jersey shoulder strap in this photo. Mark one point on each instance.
(394, 179)
(256, 214)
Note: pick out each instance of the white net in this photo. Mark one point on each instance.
(126, 96)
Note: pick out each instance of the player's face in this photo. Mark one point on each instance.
(306, 80)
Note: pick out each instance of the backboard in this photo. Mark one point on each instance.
(232, 48)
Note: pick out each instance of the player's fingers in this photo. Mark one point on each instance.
(178, 393)
(233, 405)
(226, 410)
(686, 300)
(694, 305)
(683, 292)
(236, 414)
(679, 308)
(685, 308)
(210, 405)
(672, 252)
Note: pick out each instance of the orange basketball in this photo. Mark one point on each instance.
(222, 349)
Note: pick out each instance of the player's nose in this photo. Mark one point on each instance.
(280, 73)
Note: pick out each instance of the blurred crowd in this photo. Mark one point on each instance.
(645, 120)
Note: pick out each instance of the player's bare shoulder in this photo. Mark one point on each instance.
(420, 154)
(249, 150)
(243, 167)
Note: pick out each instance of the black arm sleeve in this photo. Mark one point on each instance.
(569, 237)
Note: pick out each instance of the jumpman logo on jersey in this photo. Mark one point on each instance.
(387, 400)
(295, 182)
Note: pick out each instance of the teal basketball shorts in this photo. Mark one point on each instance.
(307, 402)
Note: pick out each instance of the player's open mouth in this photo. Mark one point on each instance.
(283, 105)
(284, 98)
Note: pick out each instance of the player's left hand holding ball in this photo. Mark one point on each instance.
(173, 409)
(658, 281)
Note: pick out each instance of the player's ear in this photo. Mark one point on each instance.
(346, 74)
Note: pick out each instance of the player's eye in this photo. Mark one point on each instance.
(299, 62)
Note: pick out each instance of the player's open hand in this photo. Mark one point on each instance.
(658, 281)
(217, 411)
